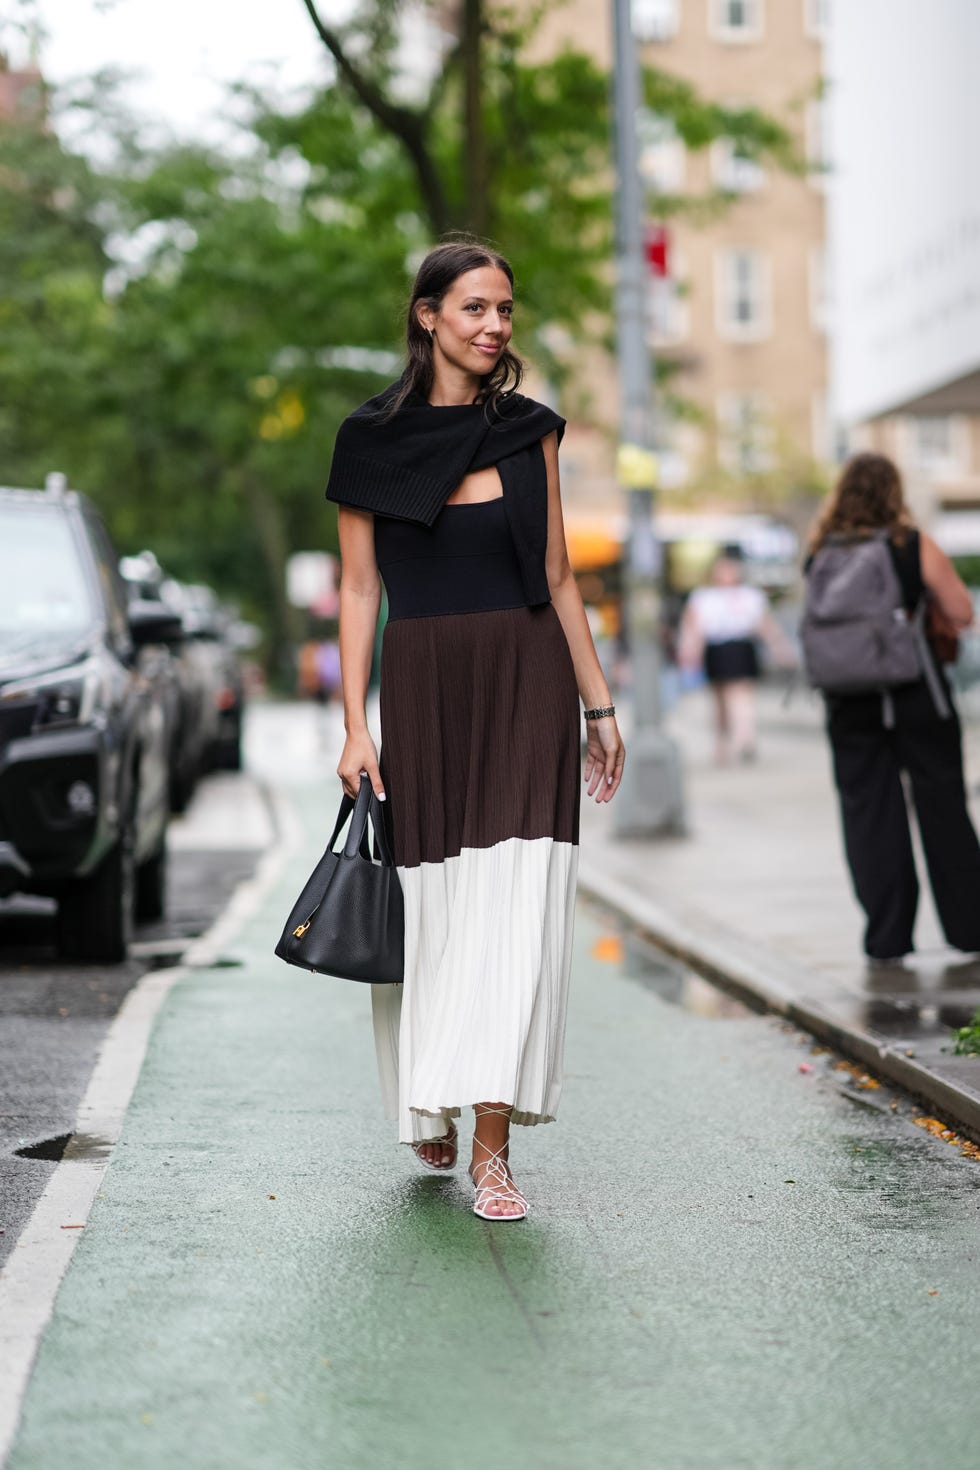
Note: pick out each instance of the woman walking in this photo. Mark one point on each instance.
(912, 731)
(720, 633)
(448, 490)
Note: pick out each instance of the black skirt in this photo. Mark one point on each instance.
(736, 658)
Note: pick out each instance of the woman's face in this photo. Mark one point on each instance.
(726, 572)
(473, 325)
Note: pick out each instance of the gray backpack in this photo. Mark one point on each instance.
(858, 637)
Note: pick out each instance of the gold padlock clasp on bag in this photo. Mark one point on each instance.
(298, 933)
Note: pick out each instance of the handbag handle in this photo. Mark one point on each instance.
(366, 804)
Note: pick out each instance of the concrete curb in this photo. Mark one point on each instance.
(765, 982)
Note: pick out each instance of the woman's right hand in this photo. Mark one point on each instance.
(360, 754)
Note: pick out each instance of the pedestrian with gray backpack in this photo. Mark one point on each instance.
(876, 590)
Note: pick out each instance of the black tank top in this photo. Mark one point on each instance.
(464, 562)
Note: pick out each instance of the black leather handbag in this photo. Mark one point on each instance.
(349, 920)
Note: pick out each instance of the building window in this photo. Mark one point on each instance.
(819, 299)
(939, 444)
(734, 169)
(667, 313)
(744, 295)
(816, 18)
(655, 20)
(744, 433)
(736, 20)
(818, 141)
(663, 157)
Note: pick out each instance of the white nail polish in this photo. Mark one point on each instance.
(382, 797)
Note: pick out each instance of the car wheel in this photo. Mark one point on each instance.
(228, 752)
(95, 915)
(182, 785)
(151, 886)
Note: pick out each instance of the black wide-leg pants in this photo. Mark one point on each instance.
(869, 761)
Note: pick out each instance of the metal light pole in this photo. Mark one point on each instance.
(651, 800)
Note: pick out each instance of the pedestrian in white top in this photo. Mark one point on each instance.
(720, 632)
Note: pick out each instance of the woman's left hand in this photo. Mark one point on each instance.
(604, 759)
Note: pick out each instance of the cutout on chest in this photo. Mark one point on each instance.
(478, 486)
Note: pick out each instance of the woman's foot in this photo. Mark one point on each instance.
(497, 1196)
(438, 1154)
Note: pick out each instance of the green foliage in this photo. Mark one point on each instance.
(969, 569)
(966, 1039)
(182, 332)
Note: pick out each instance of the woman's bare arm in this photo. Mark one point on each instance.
(944, 584)
(360, 603)
(606, 754)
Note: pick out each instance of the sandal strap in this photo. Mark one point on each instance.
(450, 1137)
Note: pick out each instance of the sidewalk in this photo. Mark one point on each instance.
(757, 896)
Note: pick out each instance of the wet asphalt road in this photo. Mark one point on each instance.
(53, 1015)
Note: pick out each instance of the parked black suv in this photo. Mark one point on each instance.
(83, 738)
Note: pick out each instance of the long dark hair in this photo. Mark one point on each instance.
(441, 267)
(867, 497)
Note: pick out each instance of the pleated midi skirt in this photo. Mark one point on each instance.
(481, 765)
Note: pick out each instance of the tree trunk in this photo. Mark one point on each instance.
(476, 175)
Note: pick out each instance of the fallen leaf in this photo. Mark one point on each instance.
(272, 1196)
(938, 1129)
(933, 1291)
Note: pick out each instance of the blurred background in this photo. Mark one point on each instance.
(211, 216)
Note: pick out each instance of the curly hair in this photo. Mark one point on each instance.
(867, 497)
(440, 268)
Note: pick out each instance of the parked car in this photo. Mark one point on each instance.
(215, 639)
(83, 730)
(190, 703)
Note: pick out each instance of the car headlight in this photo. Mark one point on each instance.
(65, 697)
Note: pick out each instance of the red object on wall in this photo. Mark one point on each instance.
(657, 250)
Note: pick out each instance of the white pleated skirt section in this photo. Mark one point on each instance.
(481, 1014)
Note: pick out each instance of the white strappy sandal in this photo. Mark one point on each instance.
(497, 1185)
(451, 1138)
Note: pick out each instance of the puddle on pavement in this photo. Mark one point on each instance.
(904, 1184)
(66, 1146)
(48, 1149)
(638, 959)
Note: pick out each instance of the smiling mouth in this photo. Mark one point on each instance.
(487, 347)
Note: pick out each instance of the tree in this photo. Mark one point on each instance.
(184, 331)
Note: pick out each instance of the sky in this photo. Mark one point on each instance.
(184, 51)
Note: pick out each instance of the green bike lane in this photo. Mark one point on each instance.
(729, 1262)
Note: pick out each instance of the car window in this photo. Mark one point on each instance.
(43, 589)
(113, 587)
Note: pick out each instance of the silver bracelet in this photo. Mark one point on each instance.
(600, 714)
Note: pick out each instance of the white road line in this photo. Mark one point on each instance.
(30, 1279)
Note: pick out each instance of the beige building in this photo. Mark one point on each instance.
(741, 314)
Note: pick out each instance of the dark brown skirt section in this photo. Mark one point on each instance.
(480, 732)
